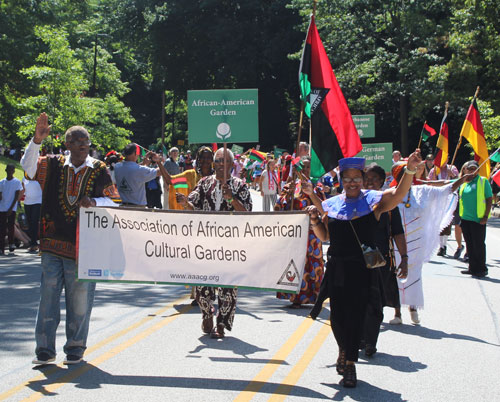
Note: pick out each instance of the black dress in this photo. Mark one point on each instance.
(349, 280)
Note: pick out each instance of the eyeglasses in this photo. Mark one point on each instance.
(85, 143)
(356, 180)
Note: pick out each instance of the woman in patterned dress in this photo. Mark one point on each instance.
(314, 268)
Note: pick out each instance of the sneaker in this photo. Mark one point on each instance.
(396, 321)
(12, 247)
(43, 358)
(72, 359)
(414, 317)
(456, 256)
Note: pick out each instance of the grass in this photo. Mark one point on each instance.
(19, 173)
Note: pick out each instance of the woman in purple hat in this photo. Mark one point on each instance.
(350, 221)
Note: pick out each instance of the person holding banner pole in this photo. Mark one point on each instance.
(218, 192)
(68, 183)
(350, 223)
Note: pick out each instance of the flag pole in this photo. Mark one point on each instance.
(481, 165)
(420, 141)
(315, 2)
(460, 139)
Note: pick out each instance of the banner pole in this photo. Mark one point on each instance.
(225, 163)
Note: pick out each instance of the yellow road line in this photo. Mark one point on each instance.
(268, 370)
(296, 372)
(50, 388)
(95, 347)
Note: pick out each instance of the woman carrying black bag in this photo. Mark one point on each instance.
(350, 223)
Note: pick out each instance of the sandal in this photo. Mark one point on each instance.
(341, 361)
(350, 380)
(207, 325)
(218, 333)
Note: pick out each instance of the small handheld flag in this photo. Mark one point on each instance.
(180, 182)
(427, 131)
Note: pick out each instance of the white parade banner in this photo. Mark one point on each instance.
(245, 249)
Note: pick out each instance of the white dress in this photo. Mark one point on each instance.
(427, 211)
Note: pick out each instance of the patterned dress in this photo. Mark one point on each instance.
(314, 268)
(207, 196)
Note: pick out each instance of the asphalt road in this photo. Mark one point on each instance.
(145, 344)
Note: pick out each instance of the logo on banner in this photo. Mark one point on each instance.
(223, 131)
(290, 276)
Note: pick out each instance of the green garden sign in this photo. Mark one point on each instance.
(223, 115)
(365, 124)
(380, 153)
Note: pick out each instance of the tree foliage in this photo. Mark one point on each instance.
(399, 59)
(62, 76)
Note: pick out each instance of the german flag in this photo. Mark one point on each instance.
(472, 130)
(334, 135)
(257, 156)
(180, 182)
(442, 144)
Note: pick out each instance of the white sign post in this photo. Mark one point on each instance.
(244, 249)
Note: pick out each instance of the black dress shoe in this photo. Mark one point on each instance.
(466, 272)
(480, 274)
(370, 350)
(315, 311)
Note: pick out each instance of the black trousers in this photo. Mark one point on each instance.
(374, 310)
(33, 218)
(475, 237)
(7, 223)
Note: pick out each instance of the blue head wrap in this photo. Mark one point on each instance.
(352, 163)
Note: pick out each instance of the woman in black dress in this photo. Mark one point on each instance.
(351, 219)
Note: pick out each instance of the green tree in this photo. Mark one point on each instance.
(381, 51)
(207, 44)
(62, 76)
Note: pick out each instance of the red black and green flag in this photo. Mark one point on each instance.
(334, 135)
(257, 156)
(180, 182)
(427, 131)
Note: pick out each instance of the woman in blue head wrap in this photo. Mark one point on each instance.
(350, 220)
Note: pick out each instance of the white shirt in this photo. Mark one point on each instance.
(8, 189)
(33, 192)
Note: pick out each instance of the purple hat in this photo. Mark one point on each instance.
(352, 163)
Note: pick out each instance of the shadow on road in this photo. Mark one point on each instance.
(235, 345)
(95, 378)
(429, 333)
(364, 392)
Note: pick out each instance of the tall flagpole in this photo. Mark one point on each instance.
(460, 139)
(420, 141)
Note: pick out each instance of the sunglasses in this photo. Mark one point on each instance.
(220, 160)
(356, 180)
